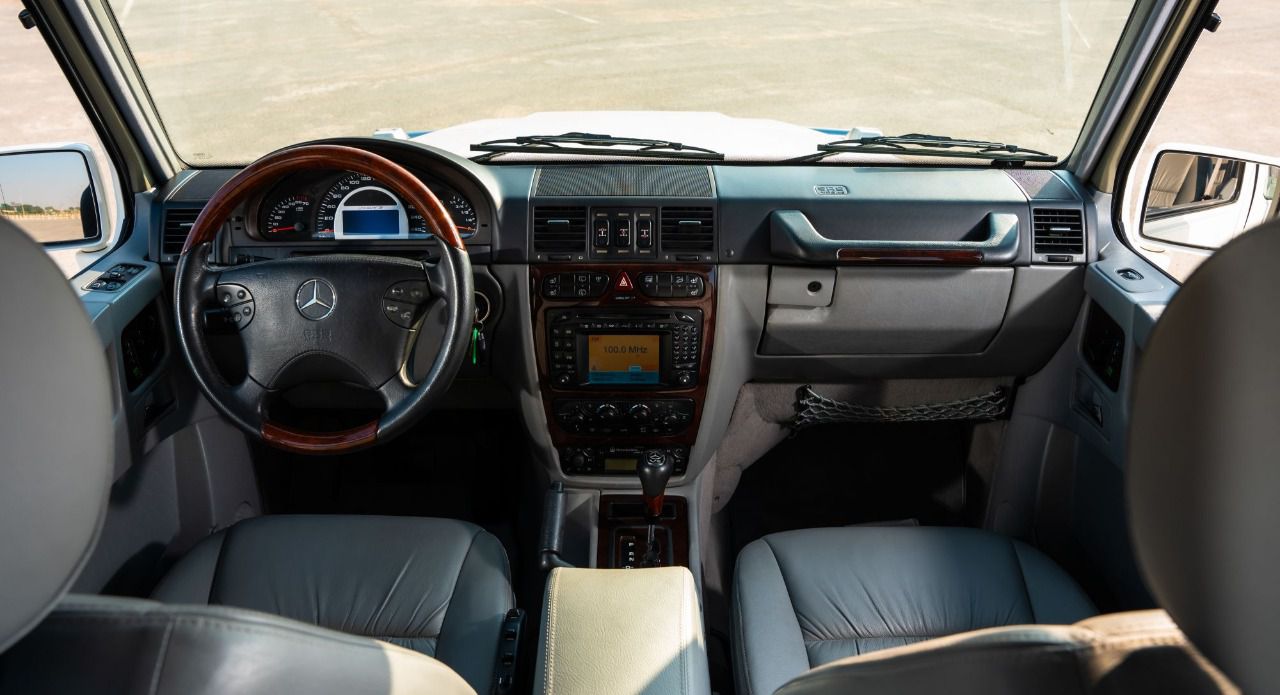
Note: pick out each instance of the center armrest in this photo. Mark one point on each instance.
(622, 631)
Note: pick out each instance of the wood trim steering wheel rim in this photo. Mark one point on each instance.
(267, 171)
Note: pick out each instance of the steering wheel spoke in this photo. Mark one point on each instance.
(394, 392)
(249, 396)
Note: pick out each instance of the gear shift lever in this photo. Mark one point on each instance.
(654, 470)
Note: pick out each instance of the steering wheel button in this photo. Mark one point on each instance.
(400, 313)
(414, 291)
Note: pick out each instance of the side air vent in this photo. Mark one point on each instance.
(688, 230)
(1057, 235)
(177, 224)
(558, 229)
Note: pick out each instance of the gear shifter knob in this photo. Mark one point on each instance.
(655, 470)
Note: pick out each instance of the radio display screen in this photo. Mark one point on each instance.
(623, 359)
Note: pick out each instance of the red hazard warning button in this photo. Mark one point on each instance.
(624, 283)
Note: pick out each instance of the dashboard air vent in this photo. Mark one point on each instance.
(177, 224)
(1057, 232)
(688, 230)
(559, 229)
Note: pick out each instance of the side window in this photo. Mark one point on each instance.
(1208, 170)
(54, 173)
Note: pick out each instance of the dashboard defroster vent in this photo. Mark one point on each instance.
(1057, 235)
(667, 181)
(177, 224)
(559, 229)
(687, 230)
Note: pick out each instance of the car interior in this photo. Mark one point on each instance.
(379, 414)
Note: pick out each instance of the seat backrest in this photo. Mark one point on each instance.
(1203, 472)
(56, 440)
(1122, 653)
(93, 644)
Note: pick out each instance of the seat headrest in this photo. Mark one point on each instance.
(1204, 459)
(56, 442)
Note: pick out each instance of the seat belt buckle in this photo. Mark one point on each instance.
(504, 679)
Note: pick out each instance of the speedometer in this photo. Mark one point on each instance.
(461, 210)
(358, 206)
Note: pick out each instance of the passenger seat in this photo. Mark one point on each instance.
(806, 598)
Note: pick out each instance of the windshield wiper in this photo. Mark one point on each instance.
(592, 144)
(998, 153)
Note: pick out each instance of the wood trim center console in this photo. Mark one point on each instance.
(584, 447)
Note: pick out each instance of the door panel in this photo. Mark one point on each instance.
(181, 470)
(1060, 481)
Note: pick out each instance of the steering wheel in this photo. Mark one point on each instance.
(351, 318)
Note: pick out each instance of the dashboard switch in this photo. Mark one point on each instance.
(602, 232)
(644, 234)
(622, 233)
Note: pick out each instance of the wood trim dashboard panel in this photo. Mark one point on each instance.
(610, 300)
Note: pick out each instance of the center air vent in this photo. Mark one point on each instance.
(1058, 235)
(177, 225)
(559, 229)
(689, 230)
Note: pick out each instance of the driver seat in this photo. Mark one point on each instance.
(305, 604)
(437, 586)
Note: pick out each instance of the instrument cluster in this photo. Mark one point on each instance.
(349, 206)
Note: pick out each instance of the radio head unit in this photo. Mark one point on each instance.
(643, 349)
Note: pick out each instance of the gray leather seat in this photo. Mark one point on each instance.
(806, 598)
(1202, 481)
(436, 586)
(440, 586)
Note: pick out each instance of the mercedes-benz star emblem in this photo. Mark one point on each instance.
(316, 299)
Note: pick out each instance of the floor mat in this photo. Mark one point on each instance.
(843, 474)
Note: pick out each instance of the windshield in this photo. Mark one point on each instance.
(233, 80)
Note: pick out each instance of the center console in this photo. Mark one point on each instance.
(616, 631)
(623, 354)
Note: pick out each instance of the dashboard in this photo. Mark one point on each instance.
(608, 290)
(348, 206)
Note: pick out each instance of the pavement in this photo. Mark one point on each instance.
(46, 229)
(336, 67)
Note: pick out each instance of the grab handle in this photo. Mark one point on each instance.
(792, 235)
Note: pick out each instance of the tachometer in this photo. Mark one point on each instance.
(289, 218)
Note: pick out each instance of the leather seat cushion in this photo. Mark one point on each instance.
(806, 598)
(437, 586)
